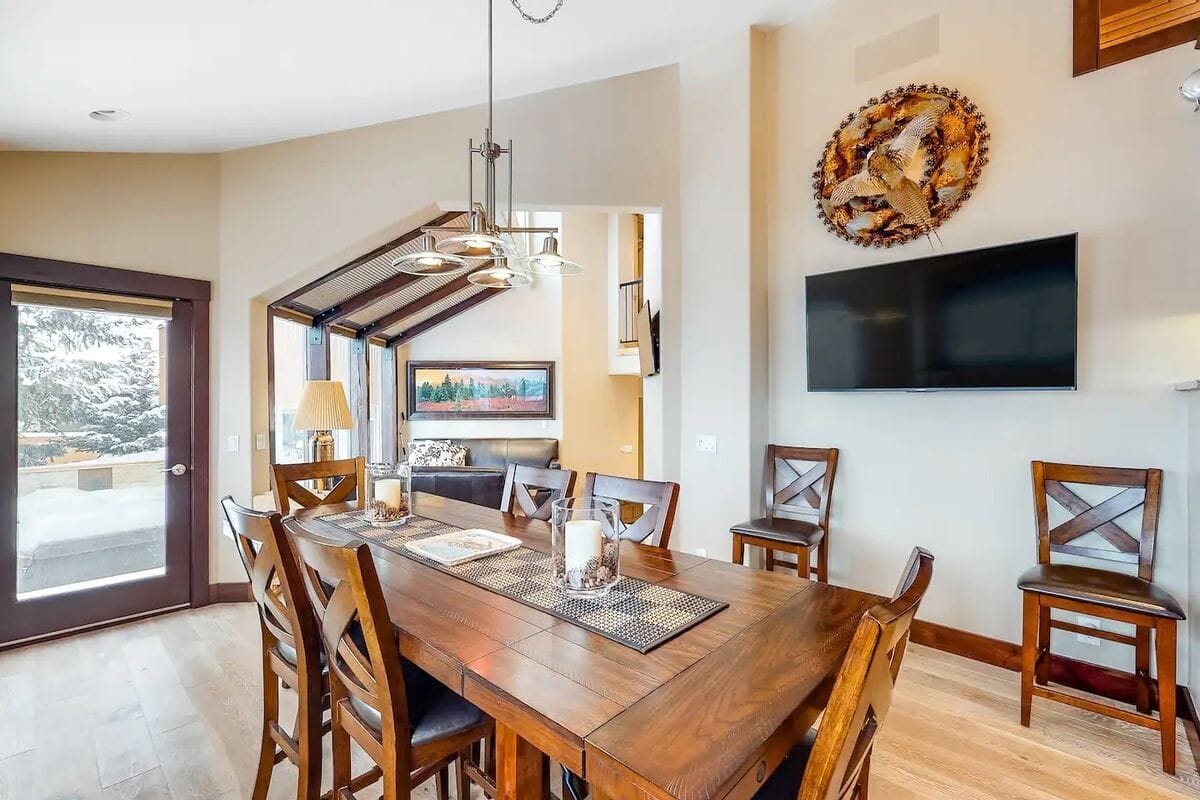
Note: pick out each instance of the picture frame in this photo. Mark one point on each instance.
(444, 390)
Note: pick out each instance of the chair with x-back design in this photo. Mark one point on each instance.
(1092, 530)
(657, 498)
(534, 489)
(409, 724)
(291, 649)
(288, 483)
(798, 487)
(833, 762)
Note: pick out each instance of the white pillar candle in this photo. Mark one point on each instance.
(391, 492)
(582, 539)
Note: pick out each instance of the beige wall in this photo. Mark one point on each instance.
(600, 411)
(1111, 155)
(723, 295)
(154, 213)
(292, 211)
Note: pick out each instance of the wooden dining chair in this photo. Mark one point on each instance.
(534, 489)
(291, 649)
(798, 490)
(409, 724)
(657, 498)
(834, 761)
(349, 473)
(1092, 530)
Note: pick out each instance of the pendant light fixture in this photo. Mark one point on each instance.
(430, 261)
(549, 262)
(484, 238)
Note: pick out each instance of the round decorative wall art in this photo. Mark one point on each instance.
(901, 165)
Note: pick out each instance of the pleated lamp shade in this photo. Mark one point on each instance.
(323, 407)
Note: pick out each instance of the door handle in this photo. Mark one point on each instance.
(177, 470)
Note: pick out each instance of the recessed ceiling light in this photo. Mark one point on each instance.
(108, 114)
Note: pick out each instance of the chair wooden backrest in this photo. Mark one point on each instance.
(284, 608)
(345, 590)
(1140, 488)
(349, 473)
(798, 482)
(654, 526)
(529, 484)
(862, 693)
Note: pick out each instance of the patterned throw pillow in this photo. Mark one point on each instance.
(437, 453)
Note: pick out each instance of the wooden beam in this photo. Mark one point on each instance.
(437, 319)
(420, 304)
(366, 298)
(85, 277)
(358, 262)
(389, 406)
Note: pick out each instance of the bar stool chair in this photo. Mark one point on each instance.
(798, 487)
(1092, 531)
(658, 499)
(286, 483)
(534, 489)
(291, 649)
(407, 722)
(833, 762)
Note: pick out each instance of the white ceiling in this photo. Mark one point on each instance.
(213, 75)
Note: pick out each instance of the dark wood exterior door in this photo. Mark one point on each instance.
(103, 445)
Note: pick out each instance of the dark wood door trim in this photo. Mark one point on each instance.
(189, 340)
(201, 478)
(73, 275)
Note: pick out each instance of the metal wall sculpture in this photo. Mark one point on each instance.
(901, 165)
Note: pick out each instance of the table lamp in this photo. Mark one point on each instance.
(323, 409)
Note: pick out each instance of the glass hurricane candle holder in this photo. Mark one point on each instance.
(389, 493)
(585, 545)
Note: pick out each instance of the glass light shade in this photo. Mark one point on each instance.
(549, 262)
(478, 242)
(430, 261)
(478, 246)
(500, 276)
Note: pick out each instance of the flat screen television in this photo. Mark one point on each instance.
(998, 318)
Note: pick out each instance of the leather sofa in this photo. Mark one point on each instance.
(481, 481)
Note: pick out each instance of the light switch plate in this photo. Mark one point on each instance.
(260, 441)
(233, 444)
(706, 443)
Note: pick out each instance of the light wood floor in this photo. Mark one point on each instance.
(168, 708)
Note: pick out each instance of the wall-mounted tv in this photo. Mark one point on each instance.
(998, 318)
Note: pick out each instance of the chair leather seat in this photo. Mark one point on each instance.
(434, 711)
(1101, 587)
(791, 531)
(784, 783)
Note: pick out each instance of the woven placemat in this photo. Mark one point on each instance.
(635, 613)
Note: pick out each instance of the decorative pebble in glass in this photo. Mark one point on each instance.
(586, 546)
(389, 493)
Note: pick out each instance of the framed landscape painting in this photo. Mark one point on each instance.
(480, 390)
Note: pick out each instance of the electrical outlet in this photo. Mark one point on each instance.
(706, 443)
(627, 449)
(260, 441)
(1094, 624)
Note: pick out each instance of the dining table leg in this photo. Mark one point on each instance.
(521, 770)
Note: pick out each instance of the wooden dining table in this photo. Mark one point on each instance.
(708, 714)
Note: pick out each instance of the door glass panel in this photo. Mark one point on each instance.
(91, 444)
(288, 344)
(341, 353)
